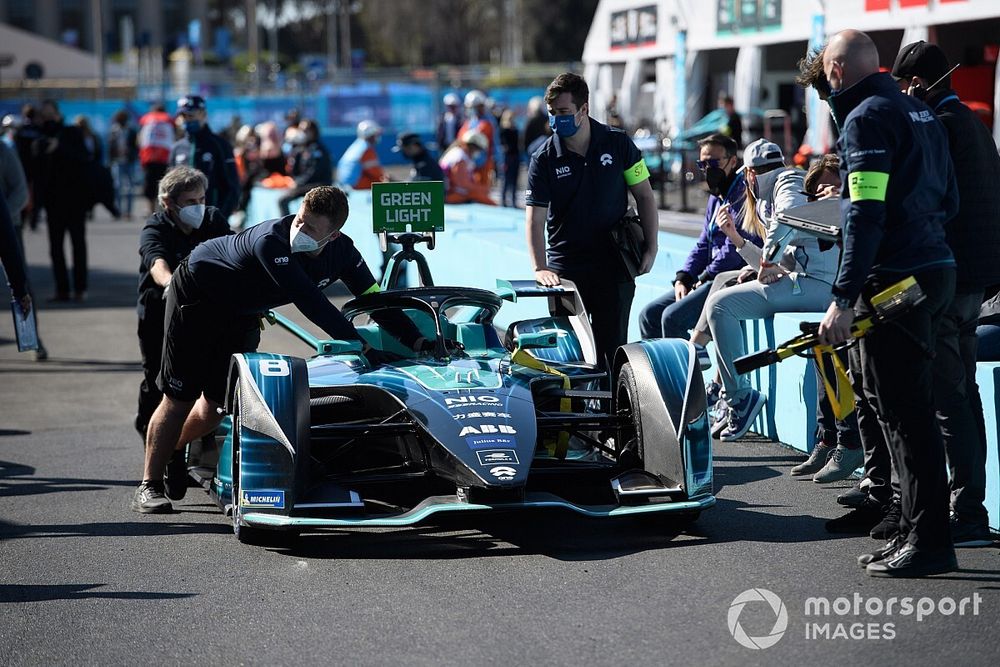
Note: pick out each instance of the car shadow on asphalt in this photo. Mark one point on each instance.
(14, 531)
(51, 592)
(19, 480)
(68, 365)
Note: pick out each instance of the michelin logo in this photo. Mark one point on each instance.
(273, 499)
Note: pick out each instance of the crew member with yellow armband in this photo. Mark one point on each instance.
(900, 191)
(578, 187)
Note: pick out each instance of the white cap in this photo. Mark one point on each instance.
(475, 98)
(368, 129)
(451, 100)
(476, 138)
(762, 152)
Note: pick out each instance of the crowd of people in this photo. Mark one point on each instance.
(915, 170)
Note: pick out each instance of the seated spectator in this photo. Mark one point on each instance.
(311, 165)
(425, 166)
(988, 331)
(674, 313)
(794, 276)
(459, 164)
(359, 166)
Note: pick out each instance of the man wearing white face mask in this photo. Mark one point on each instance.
(215, 299)
(168, 237)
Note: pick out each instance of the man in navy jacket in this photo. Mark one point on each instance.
(674, 313)
(901, 191)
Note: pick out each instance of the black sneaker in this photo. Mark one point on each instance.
(853, 498)
(910, 561)
(888, 527)
(883, 552)
(149, 499)
(859, 520)
(176, 480)
(968, 534)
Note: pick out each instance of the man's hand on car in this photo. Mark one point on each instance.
(546, 278)
(378, 357)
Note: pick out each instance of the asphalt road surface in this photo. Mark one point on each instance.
(83, 580)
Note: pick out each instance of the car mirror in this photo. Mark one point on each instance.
(546, 338)
(338, 346)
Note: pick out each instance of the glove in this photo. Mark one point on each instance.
(378, 357)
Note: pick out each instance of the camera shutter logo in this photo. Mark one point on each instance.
(780, 620)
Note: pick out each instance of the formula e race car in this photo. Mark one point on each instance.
(477, 424)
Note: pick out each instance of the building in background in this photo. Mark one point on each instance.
(665, 62)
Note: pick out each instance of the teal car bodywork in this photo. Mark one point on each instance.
(477, 424)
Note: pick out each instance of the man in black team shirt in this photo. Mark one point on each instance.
(215, 299)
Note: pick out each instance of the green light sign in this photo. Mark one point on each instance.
(419, 206)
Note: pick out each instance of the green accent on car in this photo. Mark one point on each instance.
(371, 290)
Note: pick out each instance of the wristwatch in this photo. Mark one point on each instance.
(843, 302)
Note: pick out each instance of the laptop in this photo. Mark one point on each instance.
(820, 218)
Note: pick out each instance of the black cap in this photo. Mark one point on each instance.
(405, 139)
(190, 103)
(921, 59)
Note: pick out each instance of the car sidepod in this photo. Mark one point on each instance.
(674, 413)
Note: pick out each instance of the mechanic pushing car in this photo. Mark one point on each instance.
(578, 186)
(213, 308)
(168, 237)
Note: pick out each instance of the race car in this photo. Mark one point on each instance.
(480, 423)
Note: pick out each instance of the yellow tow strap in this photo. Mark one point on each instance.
(525, 358)
(841, 397)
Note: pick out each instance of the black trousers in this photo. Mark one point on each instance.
(959, 406)
(899, 380)
(151, 348)
(290, 196)
(607, 295)
(878, 459)
(59, 221)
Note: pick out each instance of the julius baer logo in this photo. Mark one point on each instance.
(758, 618)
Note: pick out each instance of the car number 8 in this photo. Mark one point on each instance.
(273, 367)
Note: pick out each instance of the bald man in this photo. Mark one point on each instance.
(900, 191)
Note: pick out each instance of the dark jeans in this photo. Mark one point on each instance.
(666, 317)
(899, 380)
(512, 167)
(608, 300)
(959, 406)
(59, 222)
(829, 429)
(151, 348)
(291, 196)
(988, 342)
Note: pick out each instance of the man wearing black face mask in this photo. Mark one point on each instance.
(923, 71)
(207, 152)
(674, 313)
(167, 238)
(901, 183)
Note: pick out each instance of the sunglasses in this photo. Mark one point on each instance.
(712, 162)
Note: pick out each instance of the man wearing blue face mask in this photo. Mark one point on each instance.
(214, 302)
(578, 187)
(168, 237)
(207, 152)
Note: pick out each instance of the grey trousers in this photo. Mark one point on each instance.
(750, 301)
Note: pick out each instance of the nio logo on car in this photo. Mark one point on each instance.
(473, 399)
(274, 499)
(606, 159)
(281, 260)
(487, 428)
(323, 283)
(493, 456)
(503, 473)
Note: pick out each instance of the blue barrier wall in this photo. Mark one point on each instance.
(483, 243)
